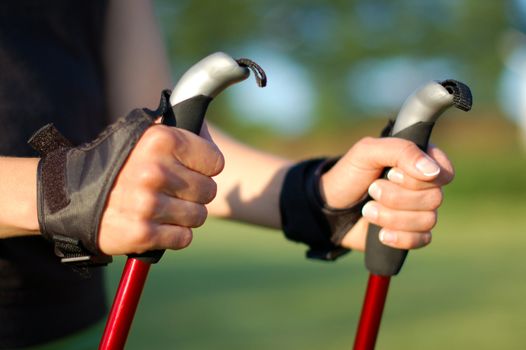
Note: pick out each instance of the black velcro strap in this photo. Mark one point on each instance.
(307, 219)
(52, 145)
(48, 139)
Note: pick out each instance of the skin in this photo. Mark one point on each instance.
(173, 179)
(161, 192)
(405, 205)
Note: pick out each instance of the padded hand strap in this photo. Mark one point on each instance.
(74, 184)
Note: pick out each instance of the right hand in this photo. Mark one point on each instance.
(160, 192)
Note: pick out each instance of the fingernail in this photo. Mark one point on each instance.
(395, 176)
(375, 191)
(427, 166)
(388, 236)
(370, 211)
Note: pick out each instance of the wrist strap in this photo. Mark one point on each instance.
(306, 218)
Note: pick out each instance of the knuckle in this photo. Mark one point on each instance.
(364, 144)
(182, 238)
(367, 140)
(427, 238)
(359, 153)
(420, 240)
(405, 243)
(219, 163)
(180, 143)
(140, 238)
(436, 198)
(386, 217)
(158, 135)
(408, 151)
(151, 175)
(215, 161)
(211, 191)
(200, 215)
(416, 240)
(146, 205)
(429, 220)
(389, 198)
(449, 175)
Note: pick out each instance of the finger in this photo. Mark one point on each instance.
(174, 211)
(394, 196)
(183, 183)
(174, 179)
(191, 150)
(356, 237)
(198, 154)
(145, 236)
(399, 177)
(372, 155)
(169, 237)
(445, 176)
(349, 179)
(401, 220)
(404, 240)
(447, 172)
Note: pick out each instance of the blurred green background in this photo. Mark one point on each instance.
(337, 70)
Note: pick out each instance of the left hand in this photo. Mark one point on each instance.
(405, 205)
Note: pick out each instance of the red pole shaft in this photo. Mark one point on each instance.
(124, 305)
(373, 307)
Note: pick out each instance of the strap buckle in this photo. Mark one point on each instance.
(72, 252)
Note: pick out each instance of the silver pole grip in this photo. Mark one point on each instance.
(208, 77)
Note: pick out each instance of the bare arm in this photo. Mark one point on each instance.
(249, 186)
(133, 44)
(18, 202)
(18, 198)
(137, 71)
(135, 59)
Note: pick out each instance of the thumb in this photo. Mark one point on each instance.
(347, 182)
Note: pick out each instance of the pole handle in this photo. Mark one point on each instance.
(188, 115)
(379, 258)
(414, 122)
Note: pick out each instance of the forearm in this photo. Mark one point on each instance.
(18, 198)
(250, 184)
(135, 60)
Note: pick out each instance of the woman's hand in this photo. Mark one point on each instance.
(161, 192)
(404, 205)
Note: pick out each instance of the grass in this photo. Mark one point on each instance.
(242, 287)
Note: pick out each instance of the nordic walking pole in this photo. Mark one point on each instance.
(414, 122)
(189, 101)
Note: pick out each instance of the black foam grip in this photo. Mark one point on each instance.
(189, 115)
(379, 258)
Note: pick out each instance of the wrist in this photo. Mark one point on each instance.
(307, 218)
(18, 207)
(27, 214)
